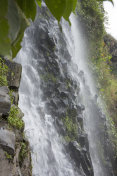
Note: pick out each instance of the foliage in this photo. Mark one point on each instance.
(91, 14)
(23, 151)
(8, 156)
(63, 8)
(106, 80)
(11, 96)
(113, 133)
(13, 118)
(71, 128)
(14, 15)
(3, 73)
(48, 77)
(107, 84)
(13, 21)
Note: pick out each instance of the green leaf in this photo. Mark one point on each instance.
(57, 7)
(4, 29)
(74, 5)
(39, 3)
(68, 9)
(28, 7)
(13, 20)
(107, 0)
(16, 44)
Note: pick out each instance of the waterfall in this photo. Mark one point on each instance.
(88, 92)
(49, 154)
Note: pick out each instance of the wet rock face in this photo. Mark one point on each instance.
(111, 43)
(60, 90)
(7, 140)
(5, 102)
(81, 157)
(11, 141)
(14, 74)
(6, 167)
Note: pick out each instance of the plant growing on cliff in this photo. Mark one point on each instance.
(71, 128)
(107, 85)
(14, 17)
(14, 120)
(8, 156)
(23, 151)
(3, 73)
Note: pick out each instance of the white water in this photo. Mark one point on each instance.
(111, 18)
(78, 48)
(48, 155)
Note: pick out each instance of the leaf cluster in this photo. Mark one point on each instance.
(14, 120)
(15, 15)
(71, 128)
(3, 73)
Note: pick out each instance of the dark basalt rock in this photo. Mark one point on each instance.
(6, 167)
(81, 157)
(7, 140)
(5, 102)
(60, 91)
(83, 140)
(14, 74)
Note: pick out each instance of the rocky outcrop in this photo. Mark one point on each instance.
(15, 158)
(5, 102)
(7, 140)
(5, 165)
(81, 157)
(60, 92)
(14, 74)
(111, 43)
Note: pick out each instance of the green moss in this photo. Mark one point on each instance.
(107, 85)
(48, 77)
(68, 84)
(3, 73)
(91, 14)
(11, 96)
(23, 152)
(13, 118)
(67, 138)
(71, 127)
(113, 134)
(8, 156)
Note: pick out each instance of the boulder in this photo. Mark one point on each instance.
(83, 140)
(15, 97)
(7, 140)
(5, 102)
(6, 167)
(14, 74)
(81, 157)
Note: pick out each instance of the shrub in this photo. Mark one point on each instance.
(13, 118)
(71, 128)
(3, 73)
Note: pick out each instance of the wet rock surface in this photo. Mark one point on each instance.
(60, 91)
(5, 102)
(14, 74)
(7, 140)
(6, 167)
(111, 43)
(81, 157)
(12, 140)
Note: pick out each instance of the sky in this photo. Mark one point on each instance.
(111, 10)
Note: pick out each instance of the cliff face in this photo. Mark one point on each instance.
(14, 149)
(59, 93)
(112, 47)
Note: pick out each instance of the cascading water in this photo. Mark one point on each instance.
(49, 156)
(88, 96)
